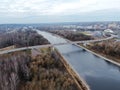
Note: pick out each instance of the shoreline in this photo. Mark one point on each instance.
(81, 83)
(78, 79)
(105, 55)
(94, 53)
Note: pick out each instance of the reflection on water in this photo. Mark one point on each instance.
(79, 51)
(98, 73)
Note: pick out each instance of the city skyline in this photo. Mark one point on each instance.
(45, 11)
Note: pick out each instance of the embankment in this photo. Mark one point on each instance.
(77, 78)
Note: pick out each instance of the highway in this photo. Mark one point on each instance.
(52, 45)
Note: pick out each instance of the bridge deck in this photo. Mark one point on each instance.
(52, 45)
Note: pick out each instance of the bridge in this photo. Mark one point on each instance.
(90, 41)
(52, 45)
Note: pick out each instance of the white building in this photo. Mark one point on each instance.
(108, 32)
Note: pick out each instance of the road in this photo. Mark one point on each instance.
(90, 41)
(51, 45)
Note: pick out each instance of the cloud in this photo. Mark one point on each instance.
(35, 8)
(50, 7)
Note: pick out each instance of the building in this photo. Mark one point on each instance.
(108, 32)
(112, 25)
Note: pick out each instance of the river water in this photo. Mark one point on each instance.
(98, 73)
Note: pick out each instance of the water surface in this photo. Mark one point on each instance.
(98, 73)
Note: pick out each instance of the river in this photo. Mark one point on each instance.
(97, 72)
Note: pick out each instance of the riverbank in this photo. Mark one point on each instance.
(104, 55)
(77, 78)
(98, 73)
(73, 36)
(109, 49)
(93, 52)
(97, 54)
(45, 71)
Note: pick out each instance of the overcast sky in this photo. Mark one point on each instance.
(38, 11)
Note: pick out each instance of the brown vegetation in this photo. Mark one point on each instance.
(109, 48)
(22, 39)
(71, 35)
(8, 48)
(19, 71)
(13, 69)
(48, 74)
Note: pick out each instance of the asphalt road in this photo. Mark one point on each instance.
(50, 45)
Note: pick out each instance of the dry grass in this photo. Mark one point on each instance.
(8, 48)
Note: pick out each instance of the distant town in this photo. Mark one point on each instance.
(90, 27)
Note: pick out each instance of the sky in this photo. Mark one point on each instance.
(45, 11)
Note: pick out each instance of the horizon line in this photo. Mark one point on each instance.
(62, 22)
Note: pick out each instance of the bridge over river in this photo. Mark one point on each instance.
(97, 72)
(52, 45)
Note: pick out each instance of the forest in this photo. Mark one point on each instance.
(71, 35)
(19, 71)
(21, 39)
(13, 69)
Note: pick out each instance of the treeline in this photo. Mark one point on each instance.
(22, 39)
(48, 74)
(73, 36)
(110, 48)
(13, 68)
(19, 71)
